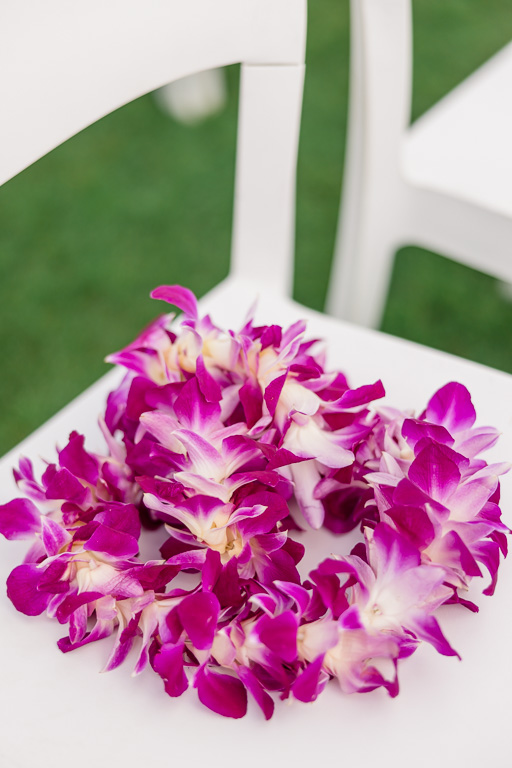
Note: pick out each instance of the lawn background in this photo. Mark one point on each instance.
(138, 200)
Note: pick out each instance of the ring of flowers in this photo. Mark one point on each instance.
(231, 442)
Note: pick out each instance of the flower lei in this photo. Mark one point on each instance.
(230, 443)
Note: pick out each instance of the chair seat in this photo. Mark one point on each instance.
(461, 147)
(72, 713)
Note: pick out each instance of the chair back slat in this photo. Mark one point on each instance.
(264, 214)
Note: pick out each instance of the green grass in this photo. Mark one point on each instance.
(137, 200)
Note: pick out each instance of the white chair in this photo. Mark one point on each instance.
(444, 182)
(55, 709)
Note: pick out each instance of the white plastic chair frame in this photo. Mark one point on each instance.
(63, 70)
(56, 709)
(444, 183)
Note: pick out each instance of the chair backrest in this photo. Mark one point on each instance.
(64, 65)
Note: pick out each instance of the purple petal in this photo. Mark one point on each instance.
(78, 625)
(426, 627)
(112, 542)
(190, 559)
(488, 553)
(154, 576)
(282, 457)
(475, 441)
(193, 410)
(51, 578)
(253, 685)
(101, 629)
(414, 431)
(211, 570)
(276, 565)
(434, 472)
(451, 406)
(168, 663)
(22, 590)
(328, 585)
(64, 485)
(351, 619)
(252, 401)
(299, 595)
(19, 519)
(73, 601)
(305, 478)
(279, 633)
(177, 296)
(122, 517)
(228, 588)
(221, 693)
(414, 523)
(54, 536)
(275, 509)
(310, 682)
(138, 361)
(271, 336)
(122, 646)
(172, 629)
(295, 549)
(207, 384)
(452, 551)
(392, 553)
(273, 392)
(353, 398)
(199, 613)
(162, 427)
(172, 547)
(75, 458)
(136, 402)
